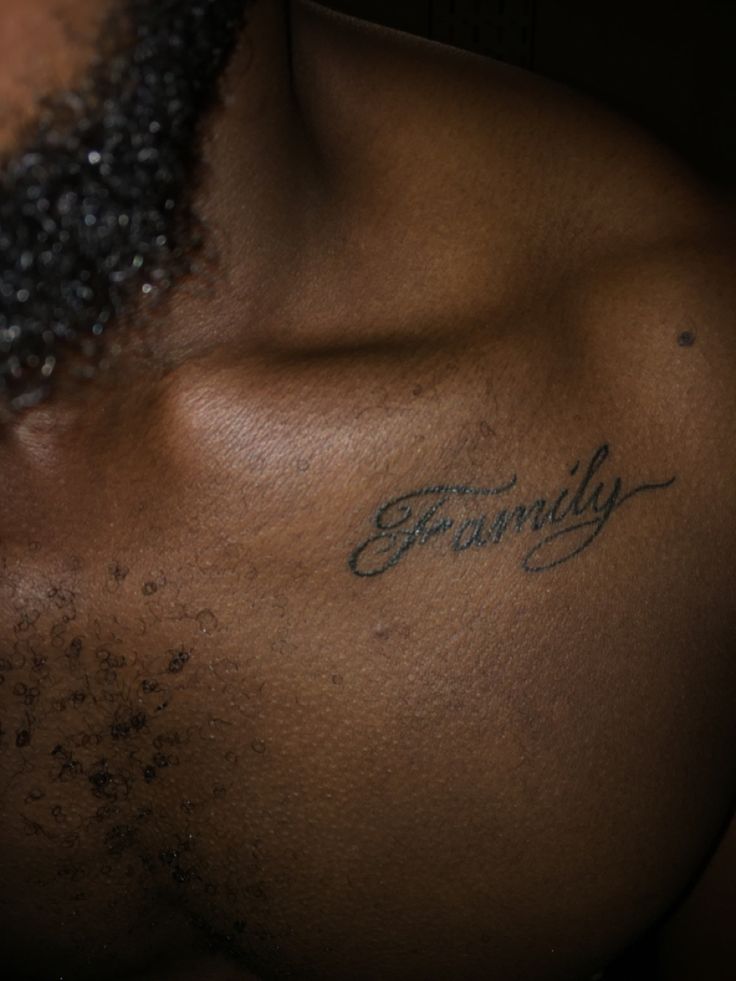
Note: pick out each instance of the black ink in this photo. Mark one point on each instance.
(415, 519)
(469, 533)
(394, 541)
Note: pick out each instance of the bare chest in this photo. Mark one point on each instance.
(363, 698)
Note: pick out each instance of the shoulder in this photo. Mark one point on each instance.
(488, 196)
(495, 201)
(513, 189)
(699, 939)
(496, 180)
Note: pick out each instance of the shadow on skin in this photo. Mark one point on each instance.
(199, 969)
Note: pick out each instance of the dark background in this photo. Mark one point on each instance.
(670, 65)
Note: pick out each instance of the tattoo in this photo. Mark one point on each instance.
(416, 518)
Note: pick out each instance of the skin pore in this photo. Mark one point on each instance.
(102, 165)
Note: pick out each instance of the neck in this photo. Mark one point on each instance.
(261, 195)
(257, 195)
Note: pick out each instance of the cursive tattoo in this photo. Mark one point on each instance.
(562, 525)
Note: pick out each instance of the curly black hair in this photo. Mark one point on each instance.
(96, 212)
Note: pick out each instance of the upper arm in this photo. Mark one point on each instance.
(699, 941)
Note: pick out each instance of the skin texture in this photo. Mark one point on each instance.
(66, 31)
(225, 753)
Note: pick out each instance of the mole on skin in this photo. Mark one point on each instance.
(686, 339)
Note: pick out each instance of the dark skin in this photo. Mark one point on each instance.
(224, 753)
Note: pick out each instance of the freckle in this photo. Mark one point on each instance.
(258, 746)
(686, 339)
(337, 679)
(302, 466)
(149, 588)
(417, 391)
(149, 774)
(22, 738)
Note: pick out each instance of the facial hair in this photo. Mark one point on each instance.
(96, 210)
